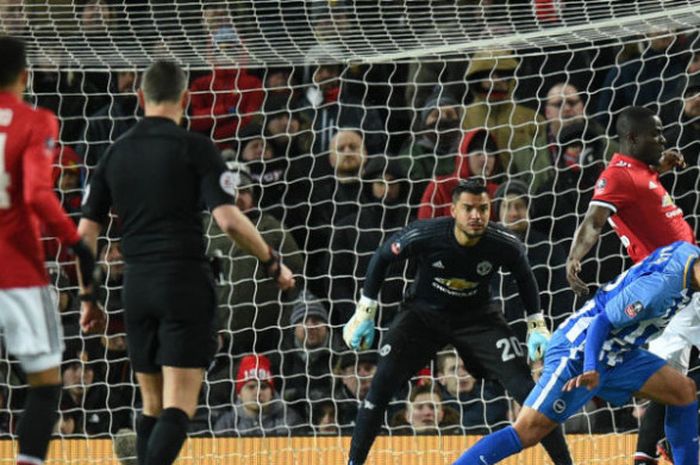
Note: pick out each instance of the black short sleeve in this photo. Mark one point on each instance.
(97, 199)
(218, 184)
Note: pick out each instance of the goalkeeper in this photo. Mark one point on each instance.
(597, 352)
(449, 303)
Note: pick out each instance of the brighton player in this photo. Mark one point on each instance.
(28, 312)
(597, 352)
(629, 195)
(450, 303)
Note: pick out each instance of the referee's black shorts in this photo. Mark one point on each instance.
(170, 313)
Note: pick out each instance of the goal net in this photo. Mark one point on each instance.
(344, 120)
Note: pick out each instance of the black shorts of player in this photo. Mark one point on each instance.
(170, 313)
(481, 336)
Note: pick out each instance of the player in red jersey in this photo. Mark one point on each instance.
(629, 195)
(28, 311)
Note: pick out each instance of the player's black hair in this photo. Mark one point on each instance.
(632, 120)
(475, 185)
(163, 81)
(14, 59)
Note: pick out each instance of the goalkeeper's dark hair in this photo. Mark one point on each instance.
(475, 185)
(14, 59)
(163, 82)
(632, 120)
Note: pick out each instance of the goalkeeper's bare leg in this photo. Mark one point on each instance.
(169, 402)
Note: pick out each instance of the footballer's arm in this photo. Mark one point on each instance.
(586, 236)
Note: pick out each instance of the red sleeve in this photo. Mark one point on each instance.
(614, 189)
(38, 192)
(427, 202)
(203, 105)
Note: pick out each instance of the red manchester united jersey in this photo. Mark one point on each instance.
(644, 215)
(27, 138)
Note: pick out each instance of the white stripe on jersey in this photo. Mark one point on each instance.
(552, 381)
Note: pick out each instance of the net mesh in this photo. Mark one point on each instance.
(345, 121)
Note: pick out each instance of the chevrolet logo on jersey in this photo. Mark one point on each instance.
(457, 284)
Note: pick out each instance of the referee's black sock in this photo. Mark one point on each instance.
(555, 445)
(144, 427)
(650, 433)
(167, 437)
(37, 423)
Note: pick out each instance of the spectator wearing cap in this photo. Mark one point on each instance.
(357, 236)
(266, 167)
(251, 306)
(511, 205)
(478, 156)
(431, 149)
(684, 134)
(354, 372)
(330, 104)
(258, 410)
(305, 359)
(516, 128)
(223, 102)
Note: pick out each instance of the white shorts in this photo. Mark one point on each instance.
(681, 334)
(32, 328)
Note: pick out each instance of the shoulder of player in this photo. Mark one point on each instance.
(500, 235)
(426, 229)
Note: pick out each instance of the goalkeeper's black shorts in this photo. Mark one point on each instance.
(482, 337)
(170, 313)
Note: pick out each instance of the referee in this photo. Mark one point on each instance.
(449, 303)
(155, 178)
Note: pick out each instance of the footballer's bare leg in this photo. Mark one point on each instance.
(178, 396)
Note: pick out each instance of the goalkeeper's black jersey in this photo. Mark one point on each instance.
(450, 275)
(157, 178)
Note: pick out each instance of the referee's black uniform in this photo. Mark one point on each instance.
(449, 303)
(157, 178)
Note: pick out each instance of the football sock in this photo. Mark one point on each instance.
(492, 449)
(682, 432)
(144, 427)
(168, 436)
(650, 433)
(555, 445)
(37, 423)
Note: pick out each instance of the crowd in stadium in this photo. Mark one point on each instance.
(331, 160)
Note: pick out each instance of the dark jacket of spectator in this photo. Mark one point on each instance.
(437, 197)
(106, 125)
(357, 236)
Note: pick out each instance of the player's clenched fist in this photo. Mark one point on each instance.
(358, 332)
(537, 336)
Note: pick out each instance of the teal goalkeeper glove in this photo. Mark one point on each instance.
(358, 332)
(537, 336)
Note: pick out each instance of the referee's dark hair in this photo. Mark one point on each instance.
(474, 185)
(14, 59)
(632, 120)
(163, 82)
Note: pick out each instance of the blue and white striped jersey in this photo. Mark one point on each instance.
(639, 303)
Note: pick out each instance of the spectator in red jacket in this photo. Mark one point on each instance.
(478, 156)
(222, 101)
